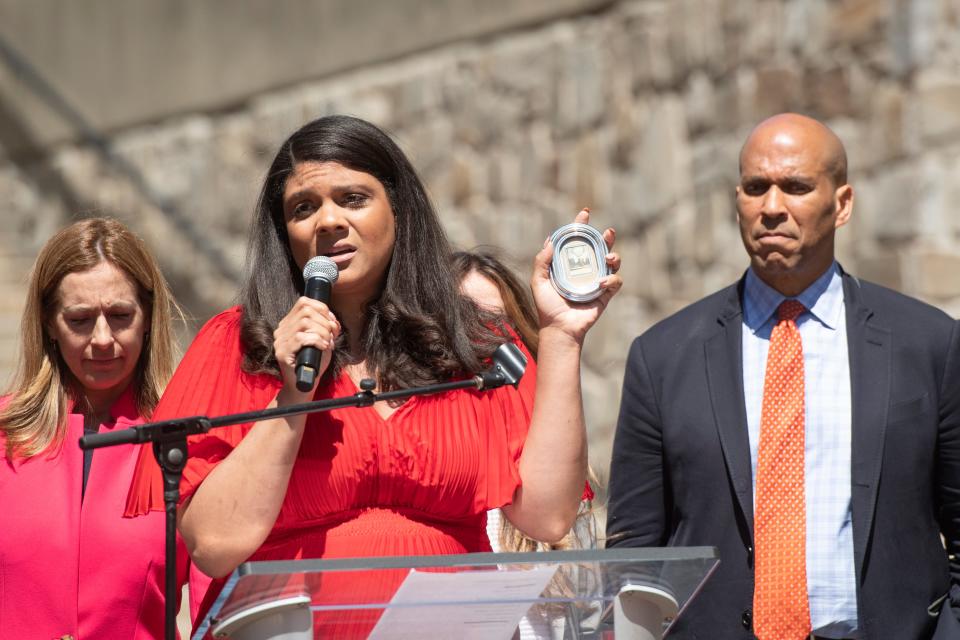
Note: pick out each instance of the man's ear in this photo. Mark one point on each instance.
(736, 198)
(843, 205)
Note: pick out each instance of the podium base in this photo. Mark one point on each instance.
(283, 619)
(639, 612)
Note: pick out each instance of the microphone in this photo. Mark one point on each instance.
(319, 274)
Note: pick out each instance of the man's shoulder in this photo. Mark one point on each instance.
(894, 308)
(699, 319)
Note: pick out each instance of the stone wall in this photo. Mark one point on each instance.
(637, 110)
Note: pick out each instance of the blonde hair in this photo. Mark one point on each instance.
(35, 417)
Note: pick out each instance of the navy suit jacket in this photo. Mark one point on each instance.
(681, 473)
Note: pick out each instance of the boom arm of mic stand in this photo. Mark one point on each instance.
(508, 367)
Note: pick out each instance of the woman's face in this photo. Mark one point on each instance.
(343, 214)
(482, 291)
(98, 325)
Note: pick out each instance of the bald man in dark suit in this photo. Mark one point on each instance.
(703, 453)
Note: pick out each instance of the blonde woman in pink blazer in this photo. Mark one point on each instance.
(96, 352)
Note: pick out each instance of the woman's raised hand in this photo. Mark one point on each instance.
(556, 312)
(310, 323)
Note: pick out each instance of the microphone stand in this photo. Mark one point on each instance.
(169, 438)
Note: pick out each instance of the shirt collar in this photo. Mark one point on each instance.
(823, 299)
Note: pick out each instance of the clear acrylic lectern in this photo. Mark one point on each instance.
(627, 594)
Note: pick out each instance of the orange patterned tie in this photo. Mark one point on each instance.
(781, 610)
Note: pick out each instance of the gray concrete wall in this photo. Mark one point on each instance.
(135, 61)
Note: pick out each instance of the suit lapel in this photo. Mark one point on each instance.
(724, 356)
(869, 351)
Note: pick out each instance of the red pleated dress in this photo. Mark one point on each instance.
(416, 483)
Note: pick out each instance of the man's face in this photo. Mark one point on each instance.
(789, 206)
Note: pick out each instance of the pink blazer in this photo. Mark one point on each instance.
(68, 568)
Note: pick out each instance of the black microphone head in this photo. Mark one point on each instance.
(321, 267)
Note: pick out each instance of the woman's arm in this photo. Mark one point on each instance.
(236, 506)
(553, 465)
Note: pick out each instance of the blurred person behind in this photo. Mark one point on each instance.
(96, 351)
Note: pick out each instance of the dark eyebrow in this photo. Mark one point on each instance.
(345, 188)
(296, 195)
(790, 178)
(349, 188)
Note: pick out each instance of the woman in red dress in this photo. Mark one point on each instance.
(413, 478)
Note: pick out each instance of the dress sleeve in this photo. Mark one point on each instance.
(508, 412)
(209, 382)
(513, 410)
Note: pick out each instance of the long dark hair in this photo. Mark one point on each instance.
(420, 329)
